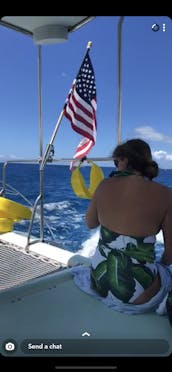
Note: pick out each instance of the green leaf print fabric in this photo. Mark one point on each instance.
(122, 265)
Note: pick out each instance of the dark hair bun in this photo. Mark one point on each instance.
(151, 170)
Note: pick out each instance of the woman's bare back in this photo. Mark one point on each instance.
(132, 205)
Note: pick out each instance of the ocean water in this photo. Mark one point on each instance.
(64, 212)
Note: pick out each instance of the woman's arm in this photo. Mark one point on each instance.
(167, 234)
(92, 219)
(91, 214)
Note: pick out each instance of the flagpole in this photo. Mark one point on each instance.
(49, 146)
(89, 44)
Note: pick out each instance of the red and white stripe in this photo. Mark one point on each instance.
(83, 120)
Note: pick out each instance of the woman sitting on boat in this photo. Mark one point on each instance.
(130, 209)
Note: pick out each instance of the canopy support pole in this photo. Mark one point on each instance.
(41, 174)
(119, 77)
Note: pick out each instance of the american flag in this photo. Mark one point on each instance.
(80, 107)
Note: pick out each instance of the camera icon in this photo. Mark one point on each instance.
(9, 346)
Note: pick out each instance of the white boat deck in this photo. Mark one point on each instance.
(44, 249)
(52, 310)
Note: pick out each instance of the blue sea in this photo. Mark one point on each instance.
(64, 211)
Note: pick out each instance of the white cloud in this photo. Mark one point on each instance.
(160, 154)
(148, 133)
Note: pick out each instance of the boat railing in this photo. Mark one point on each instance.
(40, 197)
(48, 155)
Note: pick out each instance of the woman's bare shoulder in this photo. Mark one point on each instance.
(163, 191)
(149, 186)
(104, 183)
(101, 185)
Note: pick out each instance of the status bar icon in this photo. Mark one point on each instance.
(155, 27)
(163, 27)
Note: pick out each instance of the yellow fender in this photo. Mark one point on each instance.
(6, 225)
(78, 184)
(11, 212)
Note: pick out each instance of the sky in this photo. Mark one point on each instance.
(146, 88)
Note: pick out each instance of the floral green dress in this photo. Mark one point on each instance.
(123, 265)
